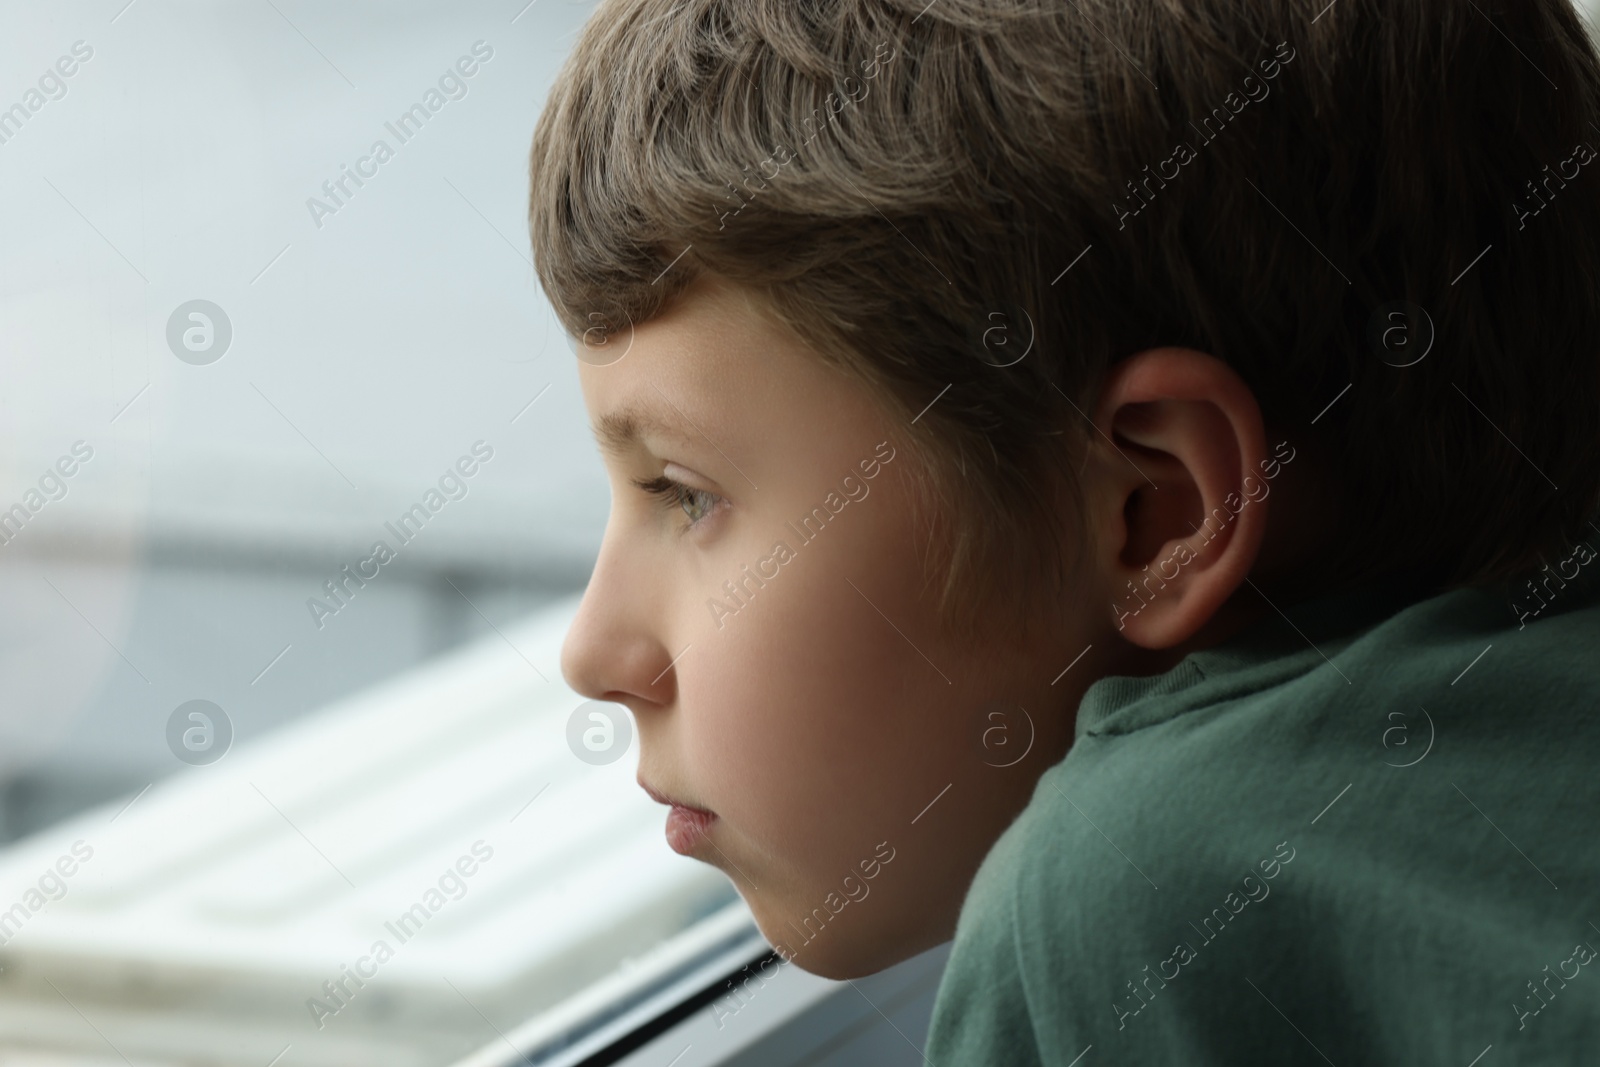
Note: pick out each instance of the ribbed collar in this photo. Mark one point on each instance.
(1280, 634)
(1281, 644)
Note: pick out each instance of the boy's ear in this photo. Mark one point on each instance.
(1180, 506)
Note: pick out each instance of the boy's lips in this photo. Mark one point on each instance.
(661, 798)
(686, 825)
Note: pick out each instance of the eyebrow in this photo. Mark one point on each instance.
(618, 431)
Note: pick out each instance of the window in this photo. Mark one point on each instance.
(296, 498)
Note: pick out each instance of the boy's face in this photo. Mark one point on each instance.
(831, 727)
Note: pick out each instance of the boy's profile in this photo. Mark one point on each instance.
(1113, 482)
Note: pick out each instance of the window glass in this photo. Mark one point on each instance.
(297, 494)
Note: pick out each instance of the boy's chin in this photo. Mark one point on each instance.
(839, 951)
(841, 969)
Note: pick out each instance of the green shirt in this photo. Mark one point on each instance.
(1369, 837)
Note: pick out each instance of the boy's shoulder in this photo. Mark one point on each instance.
(1329, 819)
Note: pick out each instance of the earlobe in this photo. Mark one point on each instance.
(1183, 511)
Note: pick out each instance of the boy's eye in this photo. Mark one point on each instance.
(696, 503)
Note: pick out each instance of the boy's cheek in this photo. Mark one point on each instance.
(789, 717)
(799, 792)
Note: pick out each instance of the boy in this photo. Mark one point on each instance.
(1113, 482)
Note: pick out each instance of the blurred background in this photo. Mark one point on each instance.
(370, 348)
(229, 368)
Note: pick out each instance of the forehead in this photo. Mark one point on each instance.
(684, 372)
(632, 424)
(713, 376)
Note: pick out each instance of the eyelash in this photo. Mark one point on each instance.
(673, 493)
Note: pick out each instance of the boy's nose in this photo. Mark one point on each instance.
(581, 660)
(610, 655)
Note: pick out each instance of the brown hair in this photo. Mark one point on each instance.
(922, 191)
